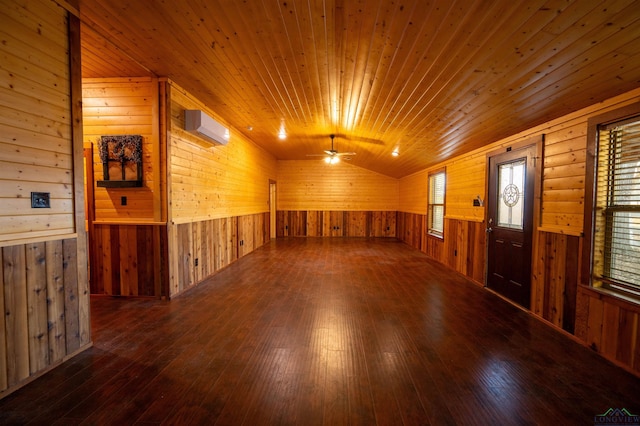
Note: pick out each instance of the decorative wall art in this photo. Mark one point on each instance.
(121, 157)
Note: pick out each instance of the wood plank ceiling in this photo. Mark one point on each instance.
(432, 79)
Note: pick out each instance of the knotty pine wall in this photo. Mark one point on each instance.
(36, 152)
(316, 185)
(218, 195)
(319, 199)
(125, 106)
(128, 243)
(43, 262)
(608, 324)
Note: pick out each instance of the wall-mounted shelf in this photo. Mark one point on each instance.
(119, 183)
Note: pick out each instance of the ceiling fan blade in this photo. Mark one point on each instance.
(345, 153)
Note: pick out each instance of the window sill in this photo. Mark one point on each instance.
(613, 295)
(436, 236)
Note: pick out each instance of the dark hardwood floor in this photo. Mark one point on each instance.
(325, 331)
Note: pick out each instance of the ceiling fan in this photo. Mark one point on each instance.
(332, 156)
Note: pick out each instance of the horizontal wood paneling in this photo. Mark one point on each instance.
(43, 309)
(213, 182)
(125, 106)
(200, 249)
(129, 260)
(465, 181)
(413, 193)
(315, 223)
(316, 185)
(35, 125)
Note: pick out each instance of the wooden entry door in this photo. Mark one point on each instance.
(510, 223)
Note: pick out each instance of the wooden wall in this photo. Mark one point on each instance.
(462, 249)
(125, 106)
(36, 152)
(45, 308)
(209, 182)
(554, 279)
(314, 223)
(130, 260)
(607, 324)
(610, 326)
(218, 195)
(205, 247)
(316, 185)
(43, 262)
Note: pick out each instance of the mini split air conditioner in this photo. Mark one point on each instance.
(200, 124)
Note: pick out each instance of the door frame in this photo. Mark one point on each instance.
(273, 208)
(537, 142)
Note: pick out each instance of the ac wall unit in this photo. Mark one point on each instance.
(200, 124)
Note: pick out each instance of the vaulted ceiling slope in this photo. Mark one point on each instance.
(432, 79)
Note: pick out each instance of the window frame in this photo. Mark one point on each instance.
(430, 230)
(589, 256)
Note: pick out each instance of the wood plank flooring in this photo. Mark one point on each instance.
(325, 332)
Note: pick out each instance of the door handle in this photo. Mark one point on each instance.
(489, 230)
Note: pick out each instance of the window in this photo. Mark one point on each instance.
(435, 209)
(616, 235)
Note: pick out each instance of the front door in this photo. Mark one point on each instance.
(510, 224)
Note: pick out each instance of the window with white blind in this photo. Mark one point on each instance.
(435, 208)
(616, 256)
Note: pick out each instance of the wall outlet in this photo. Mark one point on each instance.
(196, 262)
(123, 201)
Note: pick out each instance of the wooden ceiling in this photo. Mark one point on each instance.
(432, 79)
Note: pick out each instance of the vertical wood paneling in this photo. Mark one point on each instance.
(15, 312)
(594, 324)
(3, 328)
(314, 223)
(627, 328)
(37, 307)
(55, 301)
(462, 248)
(216, 248)
(609, 326)
(129, 260)
(41, 319)
(555, 279)
(71, 301)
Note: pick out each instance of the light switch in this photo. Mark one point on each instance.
(40, 200)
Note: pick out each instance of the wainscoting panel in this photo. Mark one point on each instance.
(316, 223)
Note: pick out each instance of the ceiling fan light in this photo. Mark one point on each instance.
(327, 160)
